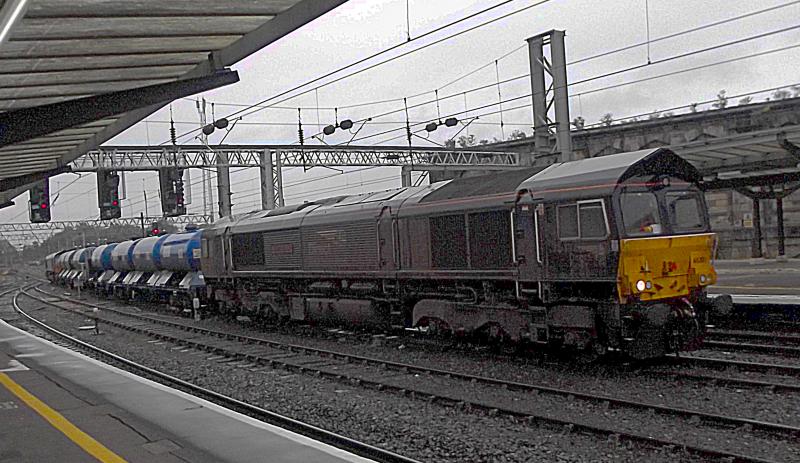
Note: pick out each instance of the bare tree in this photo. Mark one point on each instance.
(746, 100)
(607, 119)
(781, 94)
(465, 141)
(722, 100)
(579, 122)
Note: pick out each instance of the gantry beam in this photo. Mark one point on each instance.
(131, 158)
(16, 228)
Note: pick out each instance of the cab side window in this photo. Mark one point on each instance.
(583, 220)
(592, 220)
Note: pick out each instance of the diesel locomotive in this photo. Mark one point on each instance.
(604, 254)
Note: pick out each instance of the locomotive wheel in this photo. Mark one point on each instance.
(438, 327)
(592, 353)
(493, 335)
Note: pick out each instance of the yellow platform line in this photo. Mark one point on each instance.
(83, 440)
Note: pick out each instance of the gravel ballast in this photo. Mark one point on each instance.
(447, 434)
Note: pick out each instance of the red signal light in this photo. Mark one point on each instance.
(155, 231)
(43, 206)
(115, 203)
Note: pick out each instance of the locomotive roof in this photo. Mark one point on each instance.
(604, 173)
(486, 185)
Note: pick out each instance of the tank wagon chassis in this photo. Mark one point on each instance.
(603, 254)
(163, 269)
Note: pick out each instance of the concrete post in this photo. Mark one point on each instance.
(223, 184)
(267, 181)
(405, 176)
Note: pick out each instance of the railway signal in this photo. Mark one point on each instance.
(155, 229)
(173, 202)
(39, 210)
(108, 195)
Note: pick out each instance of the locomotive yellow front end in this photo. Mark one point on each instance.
(661, 285)
(668, 267)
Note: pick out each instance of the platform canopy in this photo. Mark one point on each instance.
(74, 74)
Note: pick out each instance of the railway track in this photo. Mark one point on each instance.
(754, 341)
(439, 385)
(267, 416)
(723, 364)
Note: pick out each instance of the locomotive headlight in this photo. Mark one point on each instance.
(640, 285)
(649, 285)
(702, 278)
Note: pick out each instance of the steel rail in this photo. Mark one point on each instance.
(703, 417)
(788, 370)
(725, 380)
(754, 335)
(750, 347)
(322, 435)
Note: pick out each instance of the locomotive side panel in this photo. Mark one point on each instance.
(490, 239)
(247, 251)
(341, 246)
(211, 259)
(414, 243)
(283, 250)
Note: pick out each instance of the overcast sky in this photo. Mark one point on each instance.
(362, 27)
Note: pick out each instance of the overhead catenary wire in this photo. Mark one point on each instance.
(244, 112)
(683, 32)
(570, 63)
(613, 86)
(602, 76)
(594, 90)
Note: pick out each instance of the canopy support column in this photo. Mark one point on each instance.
(781, 231)
(756, 247)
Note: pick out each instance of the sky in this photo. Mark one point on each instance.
(494, 52)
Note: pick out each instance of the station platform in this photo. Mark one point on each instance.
(758, 277)
(60, 406)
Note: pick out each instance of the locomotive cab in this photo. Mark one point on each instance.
(624, 253)
(665, 262)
